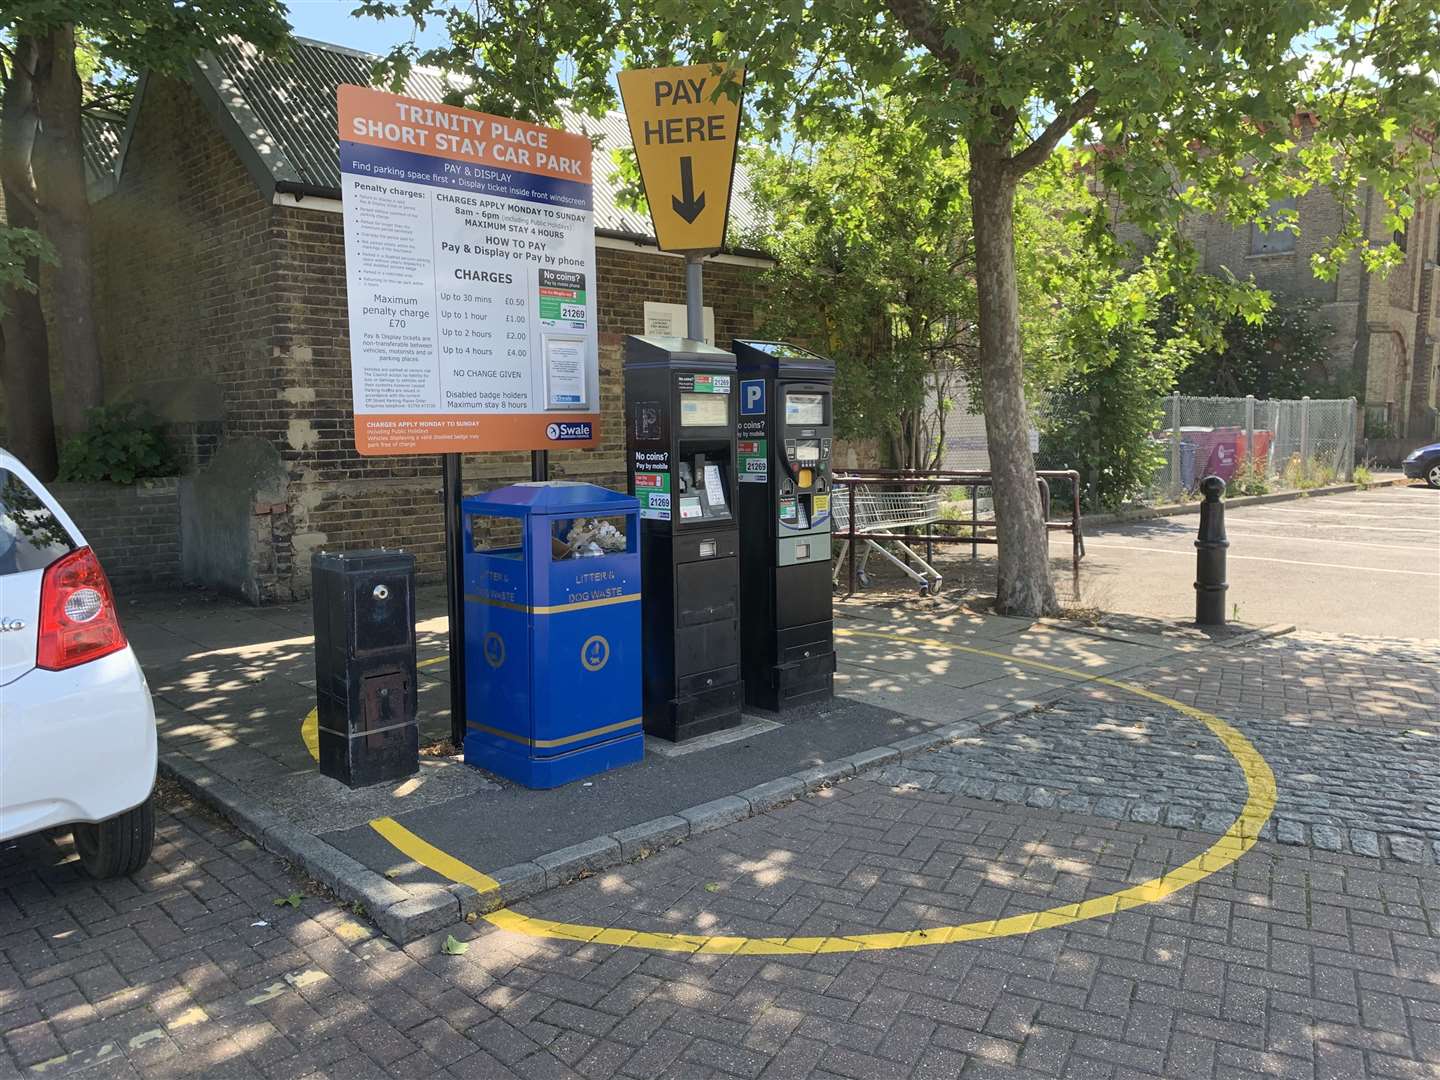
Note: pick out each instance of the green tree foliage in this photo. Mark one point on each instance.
(1099, 419)
(120, 445)
(1285, 356)
(871, 230)
(55, 57)
(147, 35)
(875, 267)
(1192, 105)
(18, 249)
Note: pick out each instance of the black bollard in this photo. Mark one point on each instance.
(1210, 547)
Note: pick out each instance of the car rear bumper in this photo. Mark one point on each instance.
(76, 745)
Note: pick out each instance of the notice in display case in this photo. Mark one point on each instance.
(565, 373)
(470, 273)
(704, 410)
(804, 408)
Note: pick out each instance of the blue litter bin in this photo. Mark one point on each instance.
(552, 632)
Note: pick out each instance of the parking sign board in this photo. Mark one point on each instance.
(685, 126)
(470, 272)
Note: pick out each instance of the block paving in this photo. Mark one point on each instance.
(1351, 729)
(1295, 961)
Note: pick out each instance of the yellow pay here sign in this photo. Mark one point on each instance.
(685, 127)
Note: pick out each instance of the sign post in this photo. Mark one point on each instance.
(685, 125)
(470, 275)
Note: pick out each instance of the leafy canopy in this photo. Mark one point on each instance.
(874, 267)
(1193, 101)
(149, 35)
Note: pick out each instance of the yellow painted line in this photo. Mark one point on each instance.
(1237, 840)
(310, 726)
(429, 855)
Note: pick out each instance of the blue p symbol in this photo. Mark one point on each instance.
(752, 397)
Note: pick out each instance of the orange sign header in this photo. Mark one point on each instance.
(400, 123)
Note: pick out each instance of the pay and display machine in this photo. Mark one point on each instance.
(680, 451)
(783, 449)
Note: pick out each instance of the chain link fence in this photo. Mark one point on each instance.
(1254, 445)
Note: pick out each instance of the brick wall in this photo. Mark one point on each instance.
(134, 529)
(183, 265)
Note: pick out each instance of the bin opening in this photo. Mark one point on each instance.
(590, 537)
(495, 534)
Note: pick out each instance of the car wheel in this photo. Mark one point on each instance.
(119, 845)
(1432, 475)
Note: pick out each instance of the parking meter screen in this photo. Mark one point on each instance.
(804, 409)
(704, 410)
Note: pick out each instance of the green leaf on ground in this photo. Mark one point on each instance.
(712, 886)
(454, 946)
(293, 900)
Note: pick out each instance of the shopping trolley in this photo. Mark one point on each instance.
(884, 512)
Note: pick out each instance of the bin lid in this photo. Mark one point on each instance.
(781, 358)
(676, 352)
(567, 497)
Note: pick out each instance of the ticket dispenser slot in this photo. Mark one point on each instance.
(680, 448)
(784, 439)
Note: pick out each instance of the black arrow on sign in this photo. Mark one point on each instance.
(690, 206)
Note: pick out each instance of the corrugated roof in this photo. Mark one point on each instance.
(286, 109)
(100, 133)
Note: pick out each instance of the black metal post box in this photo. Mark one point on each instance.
(783, 447)
(680, 444)
(364, 603)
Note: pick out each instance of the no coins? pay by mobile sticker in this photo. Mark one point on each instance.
(685, 125)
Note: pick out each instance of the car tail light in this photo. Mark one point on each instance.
(78, 620)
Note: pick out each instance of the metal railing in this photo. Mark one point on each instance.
(850, 484)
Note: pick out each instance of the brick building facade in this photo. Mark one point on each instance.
(1385, 329)
(222, 305)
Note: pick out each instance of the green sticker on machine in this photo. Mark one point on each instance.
(753, 460)
(652, 489)
(568, 306)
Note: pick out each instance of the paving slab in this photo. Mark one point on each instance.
(231, 709)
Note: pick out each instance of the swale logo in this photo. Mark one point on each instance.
(565, 432)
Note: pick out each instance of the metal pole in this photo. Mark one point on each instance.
(974, 520)
(695, 297)
(1304, 437)
(1250, 430)
(539, 465)
(455, 593)
(1210, 545)
(1348, 451)
(850, 538)
(1175, 444)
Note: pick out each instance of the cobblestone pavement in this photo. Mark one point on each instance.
(1352, 730)
(1294, 961)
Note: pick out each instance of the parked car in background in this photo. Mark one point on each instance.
(77, 727)
(1424, 464)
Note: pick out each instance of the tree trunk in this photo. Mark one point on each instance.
(1024, 586)
(65, 215)
(24, 348)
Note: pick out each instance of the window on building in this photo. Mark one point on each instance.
(1268, 239)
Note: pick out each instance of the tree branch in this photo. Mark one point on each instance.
(1054, 131)
(923, 23)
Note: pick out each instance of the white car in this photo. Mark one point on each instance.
(77, 728)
